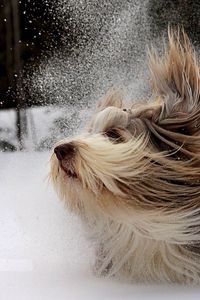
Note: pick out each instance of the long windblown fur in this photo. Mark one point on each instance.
(134, 176)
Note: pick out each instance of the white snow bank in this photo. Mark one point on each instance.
(43, 252)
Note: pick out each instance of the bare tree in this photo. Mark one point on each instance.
(13, 62)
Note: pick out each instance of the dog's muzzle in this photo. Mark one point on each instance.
(65, 151)
(65, 154)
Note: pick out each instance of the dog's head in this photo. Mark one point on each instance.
(108, 160)
(144, 157)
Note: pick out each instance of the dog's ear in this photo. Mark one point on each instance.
(175, 76)
(147, 110)
(112, 98)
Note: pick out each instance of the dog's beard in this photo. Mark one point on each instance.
(95, 169)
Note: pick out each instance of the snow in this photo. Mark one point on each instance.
(43, 250)
(45, 125)
(8, 125)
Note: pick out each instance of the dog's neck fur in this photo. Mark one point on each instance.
(123, 251)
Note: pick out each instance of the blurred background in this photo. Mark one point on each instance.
(57, 58)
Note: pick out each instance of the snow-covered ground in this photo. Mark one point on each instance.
(43, 252)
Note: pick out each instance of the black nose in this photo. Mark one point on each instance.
(65, 151)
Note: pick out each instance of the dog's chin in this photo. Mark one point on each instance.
(69, 173)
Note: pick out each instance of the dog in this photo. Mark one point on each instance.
(133, 175)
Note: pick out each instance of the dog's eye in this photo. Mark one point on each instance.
(114, 135)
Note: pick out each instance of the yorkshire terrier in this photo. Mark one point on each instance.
(134, 175)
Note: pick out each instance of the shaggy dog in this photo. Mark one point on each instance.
(134, 176)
